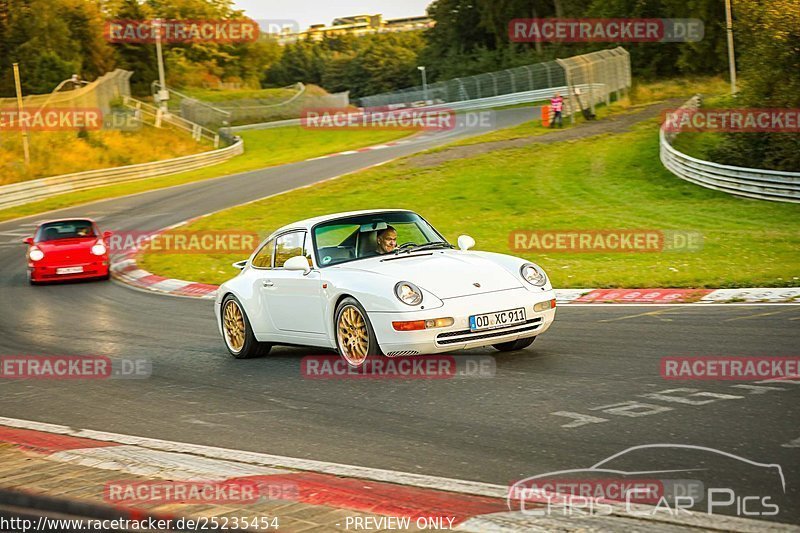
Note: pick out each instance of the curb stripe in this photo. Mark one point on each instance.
(381, 498)
(479, 506)
(47, 442)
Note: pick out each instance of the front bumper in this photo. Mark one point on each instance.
(91, 269)
(458, 336)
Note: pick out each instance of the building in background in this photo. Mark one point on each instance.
(357, 25)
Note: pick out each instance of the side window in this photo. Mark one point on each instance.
(263, 258)
(288, 245)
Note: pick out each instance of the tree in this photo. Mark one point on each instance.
(51, 40)
(767, 33)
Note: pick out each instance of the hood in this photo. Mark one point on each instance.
(67, 249)
(445, 274)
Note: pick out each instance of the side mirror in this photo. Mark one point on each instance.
(297, 262)
(107, 234)
(28, 241)
(239, 264)
(465, 242)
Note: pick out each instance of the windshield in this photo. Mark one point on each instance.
(65, 229)
(358, 237)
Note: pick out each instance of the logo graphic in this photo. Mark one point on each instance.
(650, 479)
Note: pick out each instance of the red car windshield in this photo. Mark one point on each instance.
(68, 229)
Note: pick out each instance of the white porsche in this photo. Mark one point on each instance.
(378, 282)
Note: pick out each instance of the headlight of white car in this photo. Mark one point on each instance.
(533, 275)
(408, 293)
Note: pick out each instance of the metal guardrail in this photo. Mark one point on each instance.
(756, 183)
(144, 111)
(33, 190)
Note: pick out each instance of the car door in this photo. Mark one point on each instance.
(294, 299)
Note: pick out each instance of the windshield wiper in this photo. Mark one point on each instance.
(427, 246)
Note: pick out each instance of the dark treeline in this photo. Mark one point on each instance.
(53, 39)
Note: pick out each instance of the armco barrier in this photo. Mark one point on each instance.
(748, 182)
(30, 191)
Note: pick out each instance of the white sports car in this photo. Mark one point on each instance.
(342, 281)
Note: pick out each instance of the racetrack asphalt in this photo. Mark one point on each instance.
(601, 362)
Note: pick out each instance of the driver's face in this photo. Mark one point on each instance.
(387, 242)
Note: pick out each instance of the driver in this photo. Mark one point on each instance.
(387, 240)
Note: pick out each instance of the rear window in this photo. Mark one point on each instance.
(68, 229)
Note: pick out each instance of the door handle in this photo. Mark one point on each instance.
(268, 283)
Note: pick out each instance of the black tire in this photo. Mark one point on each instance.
(372, 347)
(30, 278)
(511, 346)
(250, 347)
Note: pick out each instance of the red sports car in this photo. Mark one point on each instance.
(67, 249)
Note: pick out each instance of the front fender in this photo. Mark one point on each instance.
(513, 264)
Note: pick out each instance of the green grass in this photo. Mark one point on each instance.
(606, 182)
(641, 94)
(263, 148)
(90, 150)
(534, 128)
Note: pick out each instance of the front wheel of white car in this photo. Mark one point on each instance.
(238, 334)
(511, 346)
(355, 338)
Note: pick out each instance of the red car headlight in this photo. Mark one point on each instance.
(99, 248)
(35, 254)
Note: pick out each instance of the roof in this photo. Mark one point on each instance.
(65, 219)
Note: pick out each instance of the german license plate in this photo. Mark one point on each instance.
(500, 319)
(69, 270)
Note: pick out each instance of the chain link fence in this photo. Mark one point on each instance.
(596, 75)
(593, 78)
(101, 93)
(256, 110)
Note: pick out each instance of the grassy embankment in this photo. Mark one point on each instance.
(603, 182)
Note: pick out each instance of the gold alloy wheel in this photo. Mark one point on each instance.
(233, 325)
(351, 331)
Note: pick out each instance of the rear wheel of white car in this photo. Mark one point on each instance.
(355, 337)
(519, 344)
(238, 334)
